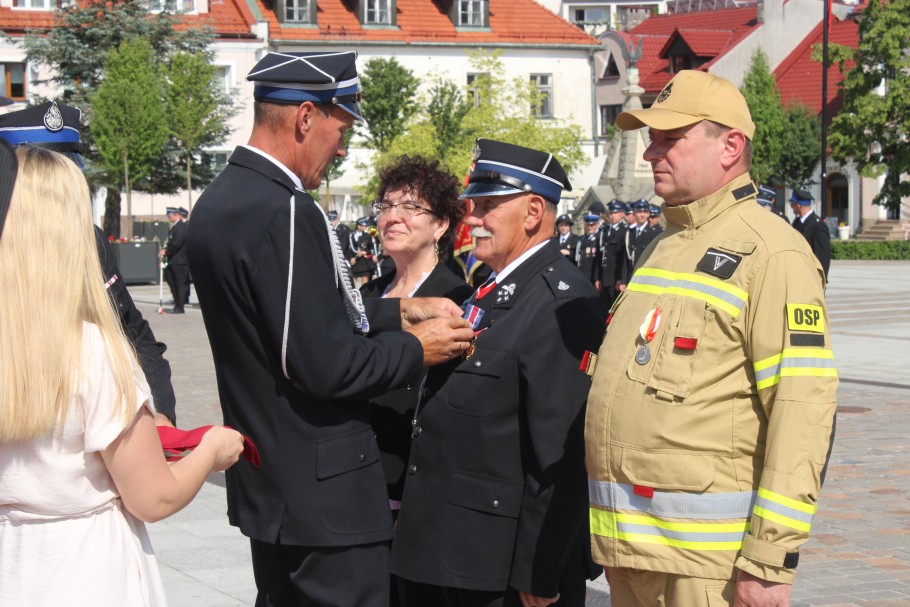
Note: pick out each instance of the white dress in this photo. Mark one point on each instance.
(65, 537)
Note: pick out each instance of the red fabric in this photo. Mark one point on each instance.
(175, 441)
(643, 491)
(485, 288)
(685, 343)
(585, 361)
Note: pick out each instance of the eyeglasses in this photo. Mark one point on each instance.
(406, 210)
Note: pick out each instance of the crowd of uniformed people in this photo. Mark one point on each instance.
(652, 399)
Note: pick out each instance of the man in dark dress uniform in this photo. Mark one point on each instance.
(811, 227)
(565, 239)
(363, 251)
(175, 250)
(494, 510)
(55, 126)
(640, 235)
(587, 251)
(765, 199)
(297, 352)
(613, 253)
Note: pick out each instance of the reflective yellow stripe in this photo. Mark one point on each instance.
(786, 521)
(715, 292)
(794, 362)
(784, 510)
(637, 528)
(789, 502)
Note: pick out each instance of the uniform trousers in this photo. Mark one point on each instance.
(176, 277)
(414, 594)
(336, 576)
(640, 588)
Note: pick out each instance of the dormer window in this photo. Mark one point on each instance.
(377, 12)
(299, 11)
(174, 6)
(471, 13)
(38, 5)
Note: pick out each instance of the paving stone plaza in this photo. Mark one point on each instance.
(859, 551)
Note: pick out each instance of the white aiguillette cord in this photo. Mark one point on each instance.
(353, 303)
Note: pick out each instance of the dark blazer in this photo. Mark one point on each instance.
(306, 408)
(816, 233)
(496, 493)
(176, 244)
(613, 255)
(588, 257)
(149, 351)
(392, 412)
(567, 248)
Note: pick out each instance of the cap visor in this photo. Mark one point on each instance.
(353, 109)
(656, 118)
(488, 189)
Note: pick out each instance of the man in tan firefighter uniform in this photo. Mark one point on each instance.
(710, 416)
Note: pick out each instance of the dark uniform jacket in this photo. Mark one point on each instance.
(816, 232)
(392, 412)
(569, 245)
(587, 256)
(636, 243)
(613, 255)
(176, 244)
(496, 493)
(149, 351)
(362, 241)
(306, 409)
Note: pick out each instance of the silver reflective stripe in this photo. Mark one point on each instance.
(791, 362)
(681, 536)
(778, 508)
(716, 506)
(681, 283)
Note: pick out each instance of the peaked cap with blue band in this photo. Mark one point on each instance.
(501, 169)
(641, 205)
(801, 197)
(50, 125)
(292, 78)
(765, 196)
(615, 206)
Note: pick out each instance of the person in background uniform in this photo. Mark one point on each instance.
(175, 251)
(55, 126)
(766, 198)
(654, 221)
(613, 253)
(587, 251)
(711, 414)
(297, 353)
(493, 512)
(630, 216)
(363, 252)
(811, 227)
(417, 211)
(638, 237)
(565, 238)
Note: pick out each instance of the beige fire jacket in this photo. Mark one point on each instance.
(710, 415)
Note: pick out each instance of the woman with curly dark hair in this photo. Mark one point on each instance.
(417, 211)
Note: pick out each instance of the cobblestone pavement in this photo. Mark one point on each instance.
(859, 552)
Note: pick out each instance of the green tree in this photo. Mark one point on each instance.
(503, 111)
(130, 125)
(801, 147)
(447, 109)
(389, 91)
(197, 110)
(763, 97)
(75, 48)
(873, 126)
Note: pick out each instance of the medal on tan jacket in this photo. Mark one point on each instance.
(647, 331)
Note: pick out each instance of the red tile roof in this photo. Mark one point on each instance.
(799, 77)
(710, 34)
(511, 21)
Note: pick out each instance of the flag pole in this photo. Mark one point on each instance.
(823, 190)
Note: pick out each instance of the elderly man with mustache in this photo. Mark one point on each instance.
(494, 505)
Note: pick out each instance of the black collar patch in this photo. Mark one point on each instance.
(718, 263)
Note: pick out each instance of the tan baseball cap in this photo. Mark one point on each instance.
(691, 97)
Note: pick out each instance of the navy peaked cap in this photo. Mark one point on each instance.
(332, 215)
(597, 207)
(170, 210)
(364, 221)
(591, 217)
(292, 78)
(641, 205)
(564, 219)
(765, 195)
(801, 197)
(628, 208)
(615, 206)
(655, 210)
(503, 168)
(183, 212)
(50, 125)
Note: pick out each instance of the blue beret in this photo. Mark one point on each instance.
(292, 78)
(615, 206)
(641, 205)
(801, 197)
(502, 168)
(50, 125)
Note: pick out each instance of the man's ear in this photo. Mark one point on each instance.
(304, 116)
(734, 147)
(537, 210)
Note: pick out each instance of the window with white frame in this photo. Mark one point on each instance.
(175, 6)
(12, 81)
(608, 114)
(474, 87)
(598, 14)
(543, 95)
(36, 5)
(378, 12)
(224, 77)
(298, 11)
(471, 13)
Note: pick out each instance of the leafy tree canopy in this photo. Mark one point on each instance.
(389, 91)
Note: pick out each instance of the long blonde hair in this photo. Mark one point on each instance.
(50, 283)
